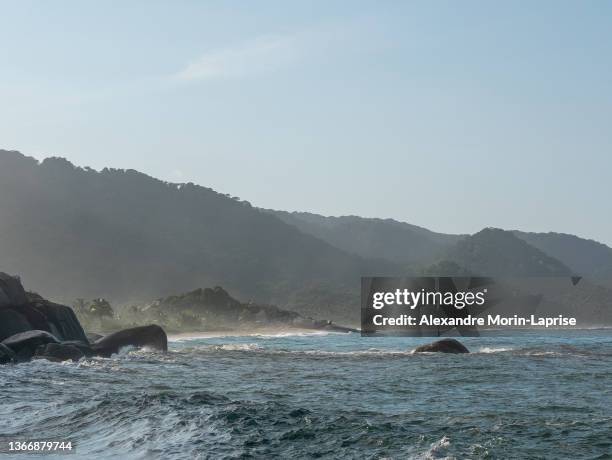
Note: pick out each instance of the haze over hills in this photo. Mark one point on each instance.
(75, 232)
(586, 257)
(399, 242)
(495, 252)
(491, 251)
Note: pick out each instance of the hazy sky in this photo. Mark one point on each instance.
(450, 115)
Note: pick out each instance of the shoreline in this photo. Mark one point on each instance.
(271, 332)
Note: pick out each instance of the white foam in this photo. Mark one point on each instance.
(437, 450)
(239, 347)
(264, 333)
(493, 349)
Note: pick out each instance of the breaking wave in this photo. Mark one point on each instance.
(326, 396)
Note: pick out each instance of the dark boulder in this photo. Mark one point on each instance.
(93, 337)
(24, 344)
(58, 320)
(13, 321)
(31, 326)
(62, 321)
(442, 346)
(143, 336)
(11, 291)
(6, 354)
(21, 311)
(58, 352)
(84, 347)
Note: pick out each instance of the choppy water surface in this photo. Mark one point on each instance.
(324, 396)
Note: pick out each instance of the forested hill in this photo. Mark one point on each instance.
(495, 252)
(586, 257)
(400, 242)
(75, 232)
(492, 251)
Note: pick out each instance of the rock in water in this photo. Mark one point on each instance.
(60, 320)
(13, 321)
(21, 312)
(32, 326)
(6, 354)
(144, 336)
(84, 347)
(93, 337)
(442, 346)
(58, 352)
(24, 344)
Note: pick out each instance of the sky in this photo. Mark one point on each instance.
(450, 115)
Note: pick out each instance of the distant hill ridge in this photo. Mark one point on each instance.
(586, 257)
(399, 242)
(414, 246)
(495, 252)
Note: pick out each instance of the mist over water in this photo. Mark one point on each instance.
(325, 396)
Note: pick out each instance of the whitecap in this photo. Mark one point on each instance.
(493, 349)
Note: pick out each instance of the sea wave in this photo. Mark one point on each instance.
(438, 450)
(328, 397)
(263, 334)
(493, 349)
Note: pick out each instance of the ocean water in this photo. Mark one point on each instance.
(323, 396)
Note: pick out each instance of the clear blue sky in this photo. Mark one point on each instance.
(450, 115)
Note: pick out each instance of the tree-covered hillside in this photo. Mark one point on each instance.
(495, 252)
(74, 232)
(402, 243)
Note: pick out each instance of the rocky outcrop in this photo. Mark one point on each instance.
(85, 348)
(93, 337)
(59, 352)
(24, 344)
(14, 320)
(143, 336)
(11, 291)
(442, 346)
(21, 312)
(6, 354)
(33, 327)
(215, 309)
(61, 320)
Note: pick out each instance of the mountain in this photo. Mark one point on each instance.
(495, 252)
(490, 251)
(75, 232)
(398, 242)
(585, 257)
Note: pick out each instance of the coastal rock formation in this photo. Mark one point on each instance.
(85, 348)
(24, 344)
(143, 336)
(21, 312)
(33, 327)
(58, 352)
(11, 291)
(442, 346)
(6, 354)
(215, 309)
(61, 320)
(93, 337)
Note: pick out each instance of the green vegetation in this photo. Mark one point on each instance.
(119, 234)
